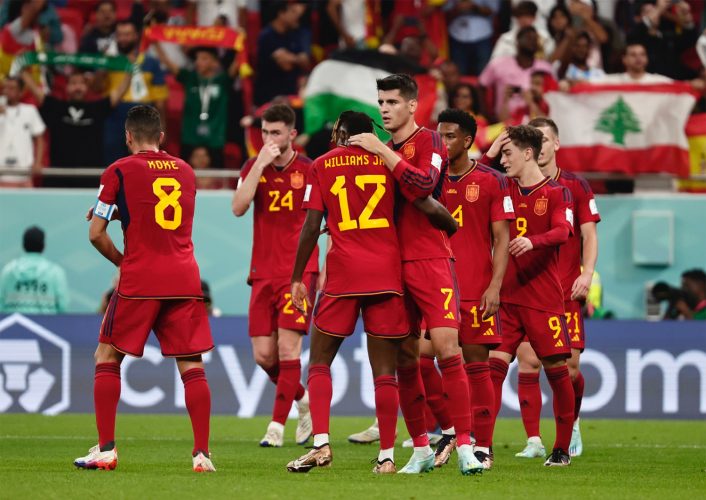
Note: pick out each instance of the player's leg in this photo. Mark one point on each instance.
(262, 327)
(197, 396)
(577, 381)
(529, 394)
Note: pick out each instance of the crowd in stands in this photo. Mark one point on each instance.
(492, 58)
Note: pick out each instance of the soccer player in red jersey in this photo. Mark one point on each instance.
(274, 183)
(159, 287)
(355, 191)
(532, 301)
(577, 261)
(479, 199)
(417, 159)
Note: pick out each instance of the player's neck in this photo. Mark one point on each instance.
(143, 148)
(550, 169)
(530, 175)
(404, 131)
(460, 165)
(284, 158)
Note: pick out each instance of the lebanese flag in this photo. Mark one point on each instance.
(629, 129)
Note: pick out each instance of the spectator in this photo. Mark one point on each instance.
(350, 18)
(148, 86)
(206, 93)
(208, 12)
(534, 103)
(510, 75)
(693, 284)
(75, 126)
(200, 159)
(471, 33)
(21, 137)
(525, 15)
(281, 54)
(19, 34)
(665, 42)
(451, 75)
(584, 18)
(465, 97)
(160, 14)
(102, 35)
(561, 31)
(31, 284)
(635, 62)
(575, 67)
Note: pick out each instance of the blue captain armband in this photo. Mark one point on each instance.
(103, 210)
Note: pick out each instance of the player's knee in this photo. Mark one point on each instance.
(529, 365)
(573, 371)
(289, 352)
(407, 355)
(265, 360)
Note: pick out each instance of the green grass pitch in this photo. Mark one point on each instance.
(622, 459)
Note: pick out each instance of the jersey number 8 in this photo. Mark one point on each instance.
(167, 199)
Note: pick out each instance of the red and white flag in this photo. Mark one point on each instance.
(631, 129)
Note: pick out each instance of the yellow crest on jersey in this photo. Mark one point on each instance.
(540, 206)
(408, 150)
(472, 192)
(297, 180)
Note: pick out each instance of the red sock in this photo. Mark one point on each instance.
(434, 391)
(563, 405)
(530, 395)
(412, 403)
(287, 384)
(481, 402)
(578, 384)
(106, 394)
(273, 373)
(453, 378)
(430, 419)
(498, 372)
(387, 401)
(198, 403)
(320, 394)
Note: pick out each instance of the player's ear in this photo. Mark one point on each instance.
(161, 138)
(128, 137)
(557, 144)
(412, 103)
(293, 134)
(467, 142)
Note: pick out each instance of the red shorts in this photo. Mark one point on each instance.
(431, 294)
(383, 315)
(476, 330)
(545, 331)
(271, 306)
(181, 326)
(574, 323)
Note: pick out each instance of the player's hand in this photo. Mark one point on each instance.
(498, 144)
(367, 141)
(490, 302)
(268, 153)
(579, 290)
(519, 246)
(300, 297)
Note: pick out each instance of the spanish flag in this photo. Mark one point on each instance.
(696, 135)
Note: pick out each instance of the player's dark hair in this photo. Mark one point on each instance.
(404, 83)
(354, 122)
(33, 240)
(144, 123)
(525, 136)
(697, 275)
(543, 121)
(466, 123)
(280, 113)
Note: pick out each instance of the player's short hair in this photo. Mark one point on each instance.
(466, 123)
(404, 83)
(697, 275)
(33, 240)
(355, 122)
(543, 121)
(280, 113)
(525, 136)
(144, 123)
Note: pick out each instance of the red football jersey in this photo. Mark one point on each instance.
(419, 175)
(278, 219)
(476, 199)
(357, 192)
(155, 194)
(585, 210)
(532, 279)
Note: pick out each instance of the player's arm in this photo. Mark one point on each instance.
(247, 188)
(437, 214)
(414, 182)
(100, 239)
(589, 256)
(490, 301)
(307, 242)
(562, 223)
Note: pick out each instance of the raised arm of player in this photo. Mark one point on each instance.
(307, 242)
(589, 257)
(99, 237)
(437, 214)
(247, 188)
(490, 301)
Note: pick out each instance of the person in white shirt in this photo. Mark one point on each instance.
(21, 137)
(524, 14)
(635, 62)
(206, 12)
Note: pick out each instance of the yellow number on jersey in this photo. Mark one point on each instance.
(364, 221)
(575, 318)
(449, 293)
(458, 215)
(555, 326)
(476, 324)
(170, 199)
(287, 201)
(521, 224)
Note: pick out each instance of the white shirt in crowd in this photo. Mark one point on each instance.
(645, 79)
(207, 11)
(18, 125)
(507, 44)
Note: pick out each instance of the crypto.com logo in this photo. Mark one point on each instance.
(34, 367)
